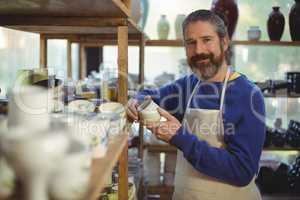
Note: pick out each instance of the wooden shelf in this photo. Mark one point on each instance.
(63, 8)
(166, 43)
(160, 148)
(280, 196)
(67, 17)
(68, 25)
(286, 148)
(282, 95)
(179, 43)
(267, 43)
(102, 168)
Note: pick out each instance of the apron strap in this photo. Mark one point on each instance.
(192, 94)
(224, 89)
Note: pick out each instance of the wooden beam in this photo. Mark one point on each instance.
(82, 62)
(123, 64)
(69, 58)
(141, 82)
(128, 5)
(122, 98)
(142, 60)
(43, 51)
(104, 39)
(6, 20)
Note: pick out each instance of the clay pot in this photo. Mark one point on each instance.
(230, 12)
(275, 24)
(294, 21)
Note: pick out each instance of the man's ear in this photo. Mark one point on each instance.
(226, 42)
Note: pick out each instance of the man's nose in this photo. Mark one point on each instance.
(200, 48)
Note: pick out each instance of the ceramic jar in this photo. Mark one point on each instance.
(178, 26)
(229, 11)
(294, 21)
(163, 28)
(148, 111)
(275, 24)
(254, 33)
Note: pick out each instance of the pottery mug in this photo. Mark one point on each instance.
(148, 111)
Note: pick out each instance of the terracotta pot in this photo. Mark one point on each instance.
(275, 24)
(230, 12)
(294, 21)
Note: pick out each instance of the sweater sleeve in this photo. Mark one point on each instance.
(237, 164)
(171, 97)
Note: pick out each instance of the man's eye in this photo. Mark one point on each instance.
(207, 40)
(191, 42)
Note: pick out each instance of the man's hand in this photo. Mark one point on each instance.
(164, 130)
(131, 110)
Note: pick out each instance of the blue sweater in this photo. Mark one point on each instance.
(244, 107)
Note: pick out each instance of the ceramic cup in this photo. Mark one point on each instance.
(254, 33)
(115, 112)
(148, 111)
(29, 108)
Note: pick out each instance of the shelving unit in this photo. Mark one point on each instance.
(84, 21)
(179, 43)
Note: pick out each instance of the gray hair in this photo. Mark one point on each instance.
(216, 19)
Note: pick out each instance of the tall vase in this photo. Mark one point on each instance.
(275, 24)
(178, 26)
(294, 21)
(228, 10)
(163, 28)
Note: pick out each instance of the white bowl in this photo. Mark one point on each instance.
(81, 106)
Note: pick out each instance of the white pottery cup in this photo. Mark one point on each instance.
(148, 111)
(29, 108)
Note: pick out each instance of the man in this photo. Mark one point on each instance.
(217, 120)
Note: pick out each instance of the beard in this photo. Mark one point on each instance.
(206, 66)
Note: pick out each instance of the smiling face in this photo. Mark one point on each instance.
(205, 49)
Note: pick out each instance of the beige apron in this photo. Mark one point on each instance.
(190, 184)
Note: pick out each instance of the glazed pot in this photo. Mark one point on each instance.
(254, 33)
(229, 11)
(275, 24)
(294, 21)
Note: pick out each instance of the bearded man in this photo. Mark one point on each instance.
(215, 117)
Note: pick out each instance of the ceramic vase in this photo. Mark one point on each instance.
(294, 21)
(178, 26)
(163, 28)
(228, 10)
(275, 24)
